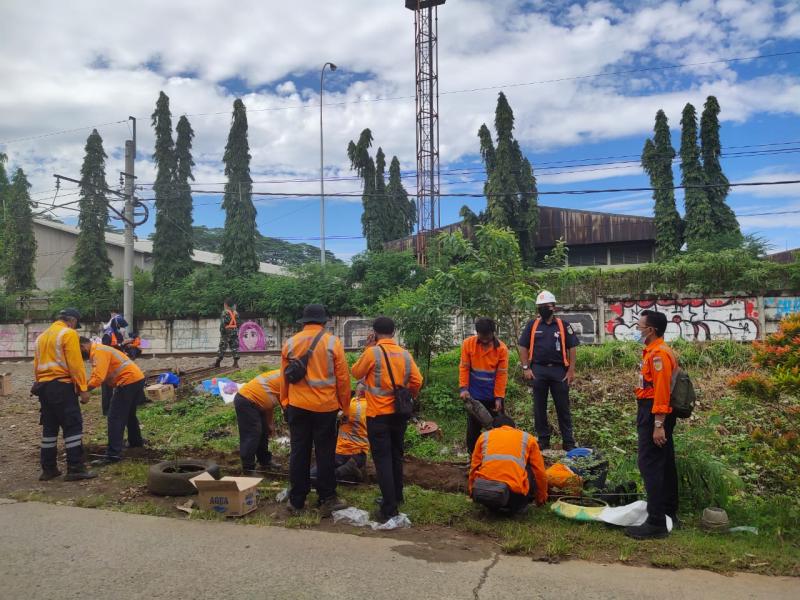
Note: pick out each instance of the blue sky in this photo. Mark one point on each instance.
(98, 68)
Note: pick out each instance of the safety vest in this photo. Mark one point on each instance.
(561, 333)
(119, 369)
(353, 434)
(57, 356)
(372, 370)
(232, 324)
(264, 390)
(504, 452)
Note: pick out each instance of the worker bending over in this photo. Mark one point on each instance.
(255, 408)
(60, 379)
(483, 374)
(382, 363)
(114, 369)
(312, 403)
(507, 470)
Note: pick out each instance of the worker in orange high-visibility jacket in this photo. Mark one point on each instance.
(352, 444)
(112, 336)
(255, 405)
(483, 373)
(113, 368)
(655, 424)
(60, 381)
(312, 405)
(385, 428)
(511, 457)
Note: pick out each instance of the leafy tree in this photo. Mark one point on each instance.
(376, 274)
(20, 242)
(725, 220)
(657, 158)
(182, 242)
(164, 249)
(403, 211)
(239, 240)
(510, 187)
(700, 225)
(556, 259)
(363, 164)
(4, 191)
(90, 271)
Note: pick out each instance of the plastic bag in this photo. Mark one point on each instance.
(282, 496)
(628, 515)
(400, 521)
(169, 378)
(351, 516)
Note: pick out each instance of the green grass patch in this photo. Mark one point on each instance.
(92, 501)
(145, 507)
(132, 472)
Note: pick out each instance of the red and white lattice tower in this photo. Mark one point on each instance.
(427, 79)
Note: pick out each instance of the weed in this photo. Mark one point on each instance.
(129, 471)
(93, 501)
(144, 507)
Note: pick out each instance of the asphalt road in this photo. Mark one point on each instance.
(49, 551)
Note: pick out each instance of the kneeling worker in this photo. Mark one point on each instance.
(112, 368)
(255, 407)
(352, 444)
(507, 471)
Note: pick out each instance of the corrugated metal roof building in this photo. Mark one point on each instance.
(56, 244)
(593, 238)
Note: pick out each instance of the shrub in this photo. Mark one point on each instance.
(440, 399)
(754, 384)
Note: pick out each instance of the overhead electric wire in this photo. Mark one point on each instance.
(60, 132)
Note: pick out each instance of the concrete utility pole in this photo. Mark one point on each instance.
(127, 268)
(322, 169)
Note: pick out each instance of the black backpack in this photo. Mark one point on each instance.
(403, 400)
(682, 396)
(297, 368)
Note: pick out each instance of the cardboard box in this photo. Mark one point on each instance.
(229, 496)
(160, 392)
(5, 384)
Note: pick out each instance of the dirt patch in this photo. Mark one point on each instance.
(443, 476)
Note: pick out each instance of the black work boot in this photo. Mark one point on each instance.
(48, 474)
(79, 474)
(235, 363)
(646, 531)
(331, 505)
(217, 363)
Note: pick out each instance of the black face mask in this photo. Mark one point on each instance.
(545, 312)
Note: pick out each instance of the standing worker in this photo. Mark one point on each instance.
(255, 405)
(313, 396)
(228, 333)
(507, 469)
(382, 362)
(483, 374)
(654, 425)
(60, 379)
(547, 351)
(113, 368)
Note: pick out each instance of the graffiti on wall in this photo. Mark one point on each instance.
(582, 325)
(783, 305)
(253, 338)
(698, 319)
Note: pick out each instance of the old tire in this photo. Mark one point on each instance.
(171, 477)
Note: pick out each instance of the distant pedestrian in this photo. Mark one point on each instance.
(60, 380)
(115, 369)
(655, 424)
(547, 351)
(483, 374)
(228, 333)
(313, 397)
(384, 360)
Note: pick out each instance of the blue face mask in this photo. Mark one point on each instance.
(639, 337)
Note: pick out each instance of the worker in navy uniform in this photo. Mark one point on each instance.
(547, 350)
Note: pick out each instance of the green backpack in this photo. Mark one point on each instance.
(682, 395)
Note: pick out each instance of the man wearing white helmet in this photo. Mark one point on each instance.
(547, 351)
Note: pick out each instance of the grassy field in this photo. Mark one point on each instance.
(736, 452)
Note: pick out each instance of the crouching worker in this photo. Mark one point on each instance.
(112, 368)
(352, 444)
(255, 407)
(507, 471)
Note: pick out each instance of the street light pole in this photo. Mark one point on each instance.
(322, 169)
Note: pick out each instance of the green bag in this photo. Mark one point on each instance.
(682, 394)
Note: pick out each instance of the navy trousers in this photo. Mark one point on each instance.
(253, 442)
(386, 435)
(550, 380)
(60, 410)
(121, 416)
(306, 429)
(657, 465)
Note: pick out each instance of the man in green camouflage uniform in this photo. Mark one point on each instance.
(228, 333)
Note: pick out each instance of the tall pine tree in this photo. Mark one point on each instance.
(657, 158)
(4, 190)
(510, 188)
(363, 164)
(90, 271)
(725, 222)
(183, 244)
(699, 216)
(238, 246)
(165, 194)
(403, 210)
(20, 242)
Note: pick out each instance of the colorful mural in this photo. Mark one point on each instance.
(783, 305)
(253, 338)
(698, 319)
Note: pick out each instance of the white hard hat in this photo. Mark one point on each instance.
(545, 297)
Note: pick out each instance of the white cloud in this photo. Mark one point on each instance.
(771, 191)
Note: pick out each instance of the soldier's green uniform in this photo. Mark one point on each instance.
(228, 335)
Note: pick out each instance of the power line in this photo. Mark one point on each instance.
(62, 131)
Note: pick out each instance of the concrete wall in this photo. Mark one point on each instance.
(692, 319)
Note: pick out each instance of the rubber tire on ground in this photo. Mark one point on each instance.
(171, 477)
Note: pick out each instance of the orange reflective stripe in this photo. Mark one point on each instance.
(561, 332)
(232, 324)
